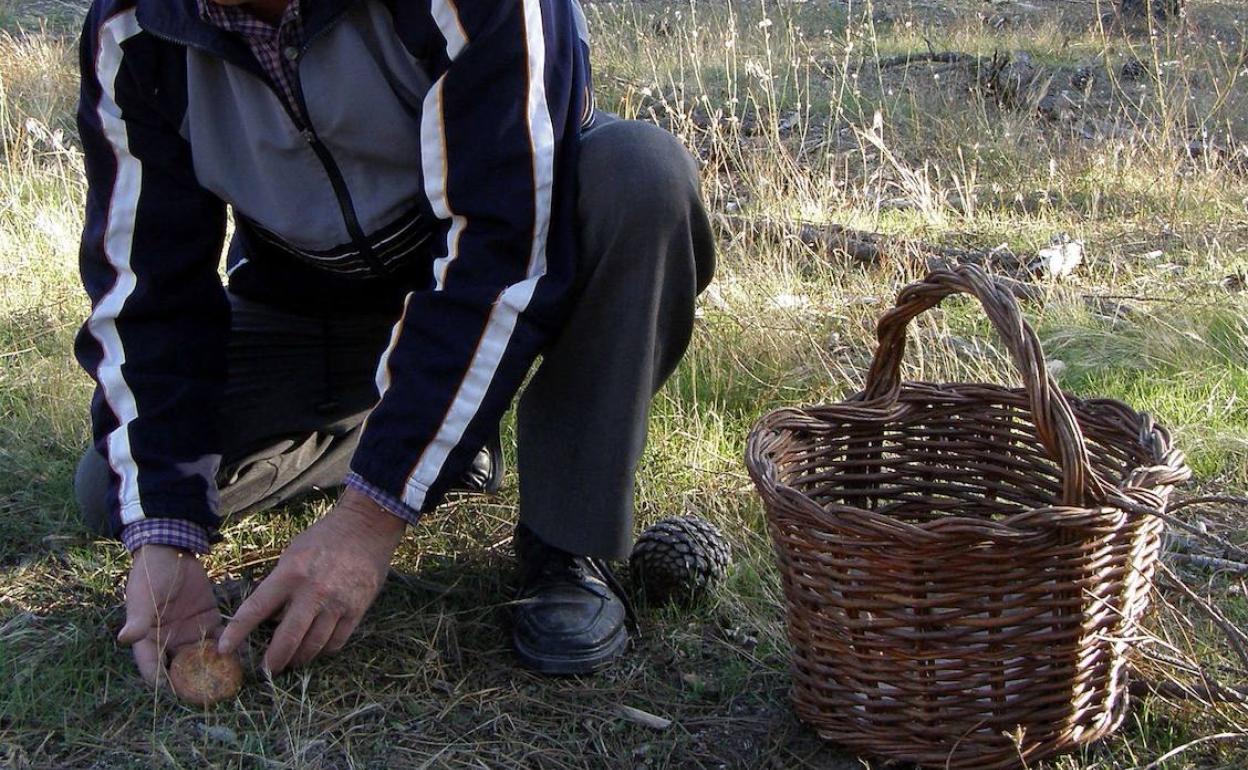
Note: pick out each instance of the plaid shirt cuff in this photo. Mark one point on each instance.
(186, 535)
(386, 500)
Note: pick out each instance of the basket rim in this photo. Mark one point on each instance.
(1144, 488)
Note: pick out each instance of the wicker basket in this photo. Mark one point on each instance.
(963, 563)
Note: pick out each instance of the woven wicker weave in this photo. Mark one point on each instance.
(963, 563)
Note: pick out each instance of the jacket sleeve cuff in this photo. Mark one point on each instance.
(178, 533)
(386, 500)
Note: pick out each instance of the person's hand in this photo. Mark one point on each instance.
(323, 583)
(169, 603)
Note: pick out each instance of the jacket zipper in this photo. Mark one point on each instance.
(304, 124)
(349, 217)
(336, 180)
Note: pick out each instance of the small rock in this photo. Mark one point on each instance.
(1008, 77)
(1060, 258)
(787, 301)
(1056, 367)
(1082, 78)
(899, 204)
(443, 686)
(1059, 108)
(1235, 282)
(218, 734)
(1134, 69)
(1114, 310)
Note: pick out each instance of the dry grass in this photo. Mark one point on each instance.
(794, 118)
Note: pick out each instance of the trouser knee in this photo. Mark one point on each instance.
(639, 186)
(91, 483)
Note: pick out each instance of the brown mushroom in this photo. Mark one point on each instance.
(202, 676)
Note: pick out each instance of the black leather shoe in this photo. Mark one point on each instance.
(485, 475)
(569, 615)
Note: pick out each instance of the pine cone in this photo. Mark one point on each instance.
(679, 558)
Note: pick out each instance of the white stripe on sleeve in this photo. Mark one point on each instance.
(515, 298)
(383, 366)
(433, 166)
(446, 17)
(118, 244)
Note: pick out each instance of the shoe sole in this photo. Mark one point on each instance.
(587, 663)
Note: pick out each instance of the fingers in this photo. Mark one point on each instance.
(342, 632)
(315, 639)
(147, 656)
(271, 595)
(205, 625)
(289, 635)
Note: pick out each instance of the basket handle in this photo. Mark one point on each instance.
(1055, 421)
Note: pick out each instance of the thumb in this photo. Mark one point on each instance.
(138, 623)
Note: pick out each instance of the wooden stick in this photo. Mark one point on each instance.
(1229, 549)
(871, 247)
(1176, 751)
(1211, 562)
(942, 57)
(1207, 500)
(1206, 691)
(1233, 635)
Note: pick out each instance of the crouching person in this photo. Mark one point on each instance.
(424, 203)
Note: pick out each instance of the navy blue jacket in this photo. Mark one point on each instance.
(434, 172)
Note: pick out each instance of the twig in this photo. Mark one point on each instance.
(1229, 549)
(1211, 562)
(1233, 635)
(262, 559)
(871, 247)
(420, 584)
(1206, 500)
(644, 718)
(1208, 690)
(942, 57)
(1179, 750)
(1145, 298)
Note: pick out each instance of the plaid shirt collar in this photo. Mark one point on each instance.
(236, 19)
(269, 43)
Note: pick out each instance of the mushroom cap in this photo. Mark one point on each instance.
(202, 676)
